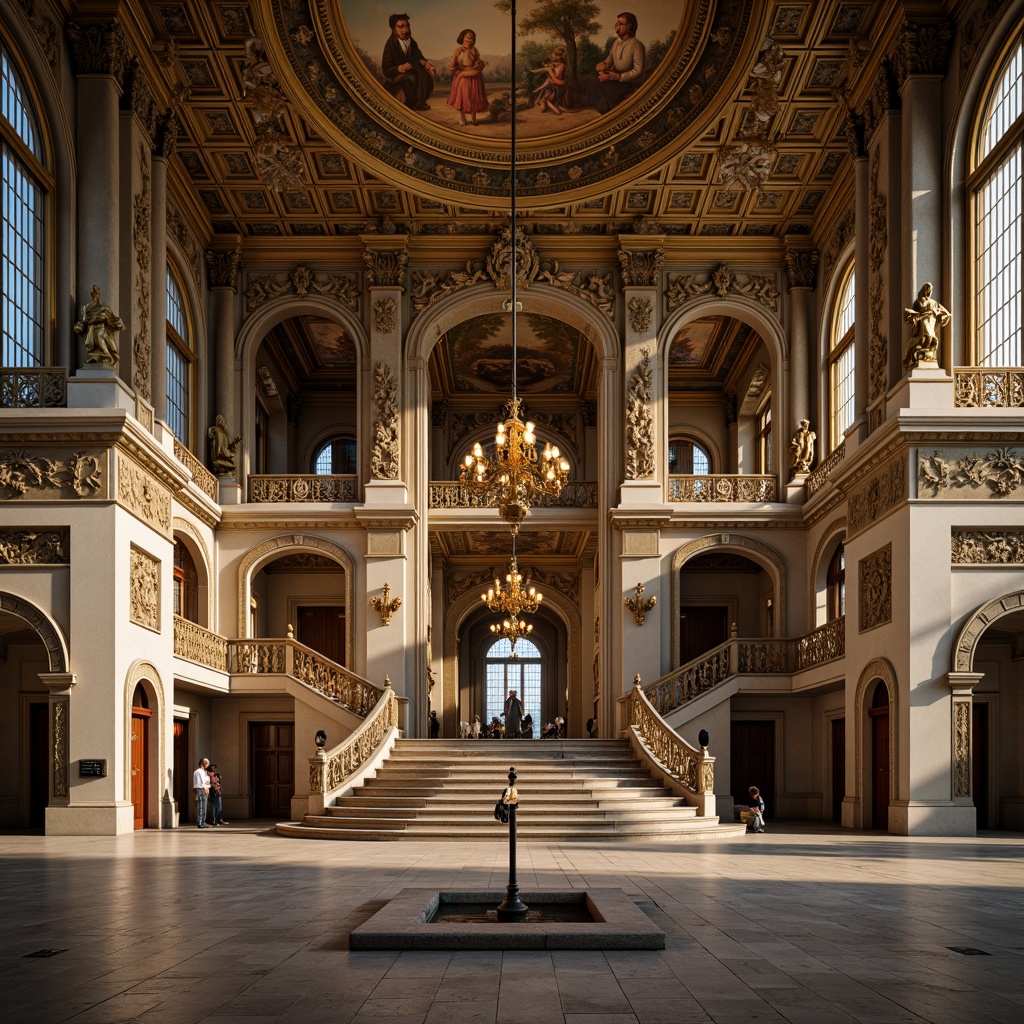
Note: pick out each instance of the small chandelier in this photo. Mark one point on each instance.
(512, 601)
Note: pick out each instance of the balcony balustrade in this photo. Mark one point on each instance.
(988, 387)
(37, 387)
(722, 487)
(575, 494)
(194, 643)
(201, 476)
(305, 487)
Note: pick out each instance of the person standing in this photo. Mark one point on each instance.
(468, 95)
(201, 785)
(216, 803)
(408, 75)
(622, 71)
(434, 725)
(513, 715)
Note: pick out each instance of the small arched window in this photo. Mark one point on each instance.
(835, 584)
(840, 362)
(687, 457)
(180, 359)
(186, 584)
(337, 456)
(24, 205)
(997, 194)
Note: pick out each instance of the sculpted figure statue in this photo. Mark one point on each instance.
(802, 447)
(927, 316)
(222, 448)
(100, 325)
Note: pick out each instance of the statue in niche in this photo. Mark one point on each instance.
(99, 325)
(927, 315)
(802, 448)
(222, 448)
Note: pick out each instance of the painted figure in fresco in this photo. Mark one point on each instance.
(622, 71)
(927, 315)
(99, 325)
(553, 92)
(408, 75)
(468, 95)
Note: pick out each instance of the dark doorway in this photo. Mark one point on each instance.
(838, 768)
(323, 629)
(701, 629)
(182, 775)
(878, 715)
(38, 763)
(979, 763)
(753, 761)
(271, 746)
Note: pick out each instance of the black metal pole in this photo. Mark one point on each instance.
(512, 907)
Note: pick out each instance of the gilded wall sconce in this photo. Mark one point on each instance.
(638, 606)
(386, 605)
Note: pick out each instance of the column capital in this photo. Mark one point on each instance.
(98, 49)
(801, 267)
(640, 267)
(884, 97)
(386, 263)
(921, 48)
(962, 683)
(166, 134)
(58, 683)
(224, 263)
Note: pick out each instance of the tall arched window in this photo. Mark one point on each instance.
(995, 188)
(836, 584)
(25, 187)
(521, 673)
(840, 362)
(179, 361)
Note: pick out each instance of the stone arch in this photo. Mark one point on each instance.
(819, 567)
(204, 563)
(701, 437)
(974, 628)
(161, 787)
(254, 560)
(49, 632)
(768, 558)
(879, 670)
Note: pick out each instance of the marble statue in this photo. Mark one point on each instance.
(100, 325)
(802, 447)
(927, 315)
(222, 448)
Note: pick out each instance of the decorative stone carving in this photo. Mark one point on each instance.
(883, 98)
(984, 388)
(302, 282)
(24, 473)
(722, 281)
(878, 348)
(961, 748)
(974, 32)
(838, 243)
(223, 266)
(640, 269)
(640, 422)
(222, 448)
(927, 315)
(801, 267)
(59, 721)
(499, 260)
(384, 457)
(854, 128)
(801, 448)
(178, 230)
(144, 594)
(640, 312)
(876, 588)
(386, 266)
(166, 135)
(960, 473)
(385, 315)
(99, 326)
(98, 49)
(884, 490)
(45, 30)
(141, 224)
(138, 98)
(265, 381)
(922, 49)
(142, 495)
(744, 166)
(987, 547)
(34, 547)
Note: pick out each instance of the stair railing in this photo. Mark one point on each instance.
(688, 771)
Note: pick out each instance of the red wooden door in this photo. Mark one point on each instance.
(273, 755)
(140, 766)
(323, 629)
(879, 718)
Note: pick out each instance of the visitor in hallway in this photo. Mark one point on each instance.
(527, 727)
(513, 715)
(756, 818)
(201, 785)
(215, 801)
(434, 726)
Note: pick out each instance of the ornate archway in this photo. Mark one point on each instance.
(879, 670)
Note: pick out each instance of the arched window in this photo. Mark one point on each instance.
(180, 358)
(995, 188)
(840, 362)
(764, 434)
(835, 583)
(25, 187)
(521, 673)
(337, 456)
(687, 457)
(186, 584)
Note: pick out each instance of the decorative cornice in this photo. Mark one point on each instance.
(98, 49)
(640, 268)
(223, 266)
(801, 267)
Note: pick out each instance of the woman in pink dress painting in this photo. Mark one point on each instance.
(468, 95)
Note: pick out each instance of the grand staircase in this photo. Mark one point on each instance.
(579, 790)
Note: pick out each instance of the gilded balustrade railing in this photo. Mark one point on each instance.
(257, 657)
(721, 487)
(764, 656)
(329, 770)
(690, 767)
(575, 494)
(194, 643)
(988, 387)
(817, 479)
(307, 487)
(36, 387)
(201, 476)
(822, 644)
(691, 680)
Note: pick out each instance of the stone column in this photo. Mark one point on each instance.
(223, 262)
(801, 268)
(962, 782)
(167, 136)
(59, 684)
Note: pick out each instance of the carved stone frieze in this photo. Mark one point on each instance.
(302, 282)
(801, 267)
(45, 30)
(499, 260)
(884, 490)
(640, 422)
(51, 475)
(386, 266)
(961, 748)
(722, 282)
(141, 224)
(566, 583)
(640, 268)
(142, 494)
(987, 547)
(144, 593)
(223, 266)
(458, 581)
(385, 315)
(34, 547)
(970, 474)
(98, 49)
(640, 312)
(384, 457)
(922, 49)
(875, 573)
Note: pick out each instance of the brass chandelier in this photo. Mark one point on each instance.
(512, 601)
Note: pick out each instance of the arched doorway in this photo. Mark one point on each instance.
(521, 670)
(141, 714)
(878, 716)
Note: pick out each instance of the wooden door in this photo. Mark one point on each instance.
(140, 766)
(323, 629)
(979, 763)
(182, 776)
(700, 629)
(879, 718)
(753, 761)
(838, 768)
(272, 757)
(38, 763)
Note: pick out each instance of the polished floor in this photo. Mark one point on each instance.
(803, 924)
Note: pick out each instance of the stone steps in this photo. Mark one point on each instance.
(570, 790)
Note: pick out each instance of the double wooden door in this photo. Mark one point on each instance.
(272, 753)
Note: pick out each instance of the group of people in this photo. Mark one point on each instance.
(206, 781)
(410, 77)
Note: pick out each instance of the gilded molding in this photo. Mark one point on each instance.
(722, 281)
(640, 422)
(961, 748)
(35, 547)
(144, 594)
(143, 495)
(385, 315)
(966, 474)
(640, 269)
(640, 312)
(23, 472)
(987, 547)
(801, 267)
(386, 267)
(141, 224)
(884, 490)
(223, 266)
(875, 591)
(384, 457)
(302, 281)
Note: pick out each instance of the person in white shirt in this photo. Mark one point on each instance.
(622, 71)
(201, 784)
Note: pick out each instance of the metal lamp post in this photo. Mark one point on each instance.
(512, 907)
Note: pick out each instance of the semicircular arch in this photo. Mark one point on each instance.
(204, 564)
(879, 670)
(50, 634)
(973, 629)
(833, 534)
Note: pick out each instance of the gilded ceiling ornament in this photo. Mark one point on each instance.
(640, 269)
(640, 422)
(223, 266)
(385, 315)
(384, 458)
(876, 588)
(386, 266)
(100, 326)
(640, 312)
(744, 166)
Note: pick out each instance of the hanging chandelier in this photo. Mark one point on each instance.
(514, 476)
(511, 601)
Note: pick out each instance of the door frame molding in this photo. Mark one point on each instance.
(878, 670)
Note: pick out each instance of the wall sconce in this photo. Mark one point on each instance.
(638, 606)
(386, 605)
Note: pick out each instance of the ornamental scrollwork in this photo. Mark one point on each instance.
(60, 709)
(384, 458)
(141, 348)
(961, 474)
(301, 281)
(144, 591)
(640, 422)
(876, 588)
(142, 495)
(878, 351)
(24, 473)
(987, 547)
(385, 315)
(34, 547)
(882, 492)
(640, 268)
(640, 312)
(961, 748)
(722, 281)
(386, 266)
